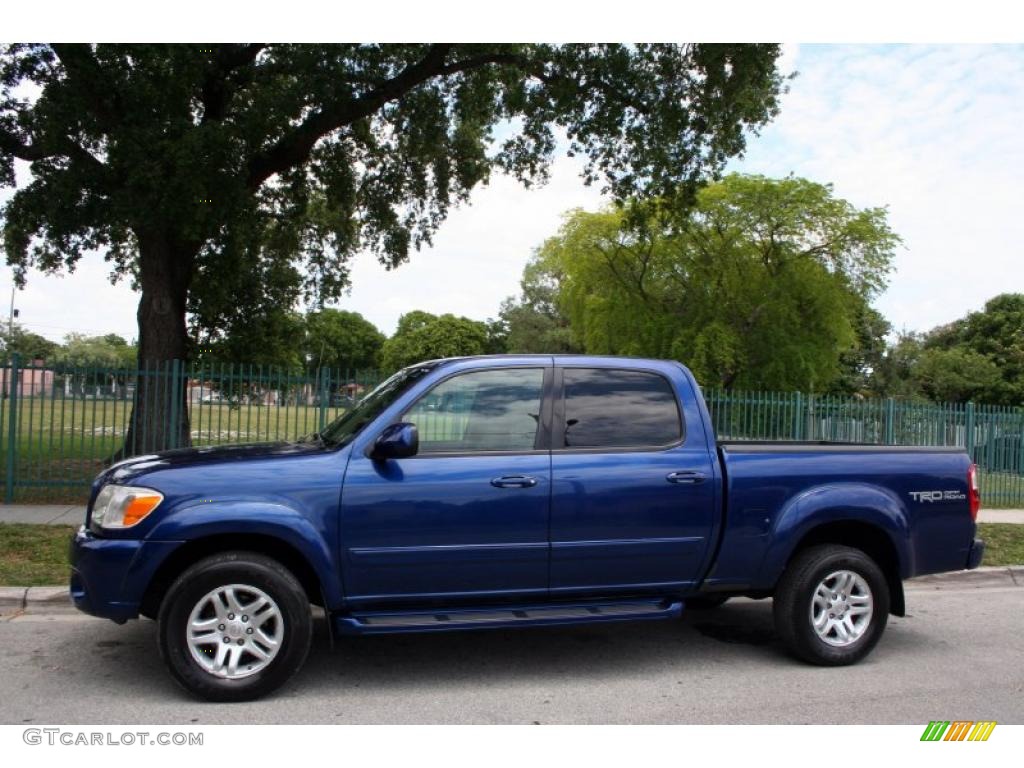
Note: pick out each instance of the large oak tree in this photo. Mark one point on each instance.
(206, 172)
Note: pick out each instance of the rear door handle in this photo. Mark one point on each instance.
(686, 477)
(514, 481)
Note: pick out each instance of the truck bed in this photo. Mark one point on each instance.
(771, 487)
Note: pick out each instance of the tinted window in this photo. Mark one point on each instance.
(496, 410)
(618, 409)
(351, 423)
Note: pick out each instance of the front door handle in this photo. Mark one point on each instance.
(686, 477)
(514, 481)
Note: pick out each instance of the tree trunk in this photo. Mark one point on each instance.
(160, 411)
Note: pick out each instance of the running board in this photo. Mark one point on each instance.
(366, 623)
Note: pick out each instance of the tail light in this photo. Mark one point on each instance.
(973, 491)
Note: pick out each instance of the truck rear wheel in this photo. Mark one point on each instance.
(831, 605)
(234, 627)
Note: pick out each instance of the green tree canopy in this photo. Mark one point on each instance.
(109, 351)
(979, 357)
(340, 339)
(997, 334)
(207, 171)
(534, 321)
(270, 338)
(758, 286)
(896, 373)
(957, 375)
(859, 364)
(31, 346)
(423, 336)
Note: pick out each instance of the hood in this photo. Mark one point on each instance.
(124, 471)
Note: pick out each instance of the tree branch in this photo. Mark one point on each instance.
(637, 282)
(78, 154)
(295, 146)
(11, 144)
(86, 74)
(507, 59)
(234, 56)
(219, 86)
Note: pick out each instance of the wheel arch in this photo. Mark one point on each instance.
(194, 550)
(869, 539)
(862, 515)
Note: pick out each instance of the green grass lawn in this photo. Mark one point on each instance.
(34, 555)
(37, 555)
(1004, 543)
(1001, 490)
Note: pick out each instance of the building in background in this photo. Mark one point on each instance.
(32, 381)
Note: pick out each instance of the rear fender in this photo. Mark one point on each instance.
(836, 503)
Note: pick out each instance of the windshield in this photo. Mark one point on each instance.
(351, 423)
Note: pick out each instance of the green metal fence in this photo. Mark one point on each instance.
(992, 435)
(59, 426)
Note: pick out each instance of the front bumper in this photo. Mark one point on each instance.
(109, 576)
(976, 553)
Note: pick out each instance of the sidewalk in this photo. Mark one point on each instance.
(62, 514)
(1001, 516)
(43, 514)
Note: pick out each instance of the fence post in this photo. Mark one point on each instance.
(890, 421)
(798, 417)
(969, 429)
(324, 396)
(12, 427)
(175, 393)
(809, 428)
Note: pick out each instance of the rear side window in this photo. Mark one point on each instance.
(619, 409)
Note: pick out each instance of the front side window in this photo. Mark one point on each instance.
(343, 429)
(619, 409)
(497, 410)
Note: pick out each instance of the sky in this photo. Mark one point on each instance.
(931, 132)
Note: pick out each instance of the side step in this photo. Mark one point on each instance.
(366, 623)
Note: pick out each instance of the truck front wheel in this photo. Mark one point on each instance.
(235, 626)
(831, 605)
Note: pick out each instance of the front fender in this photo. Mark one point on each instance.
(280, 521)
(836, 503)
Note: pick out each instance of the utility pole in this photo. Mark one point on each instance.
(10, 322)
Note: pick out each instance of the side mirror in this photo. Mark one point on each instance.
(397, 441)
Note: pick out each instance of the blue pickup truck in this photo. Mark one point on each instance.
(512, 491)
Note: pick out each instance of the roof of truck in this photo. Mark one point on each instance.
(576, 357)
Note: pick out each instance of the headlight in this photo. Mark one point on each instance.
(122, 506)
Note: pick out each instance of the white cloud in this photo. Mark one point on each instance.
(83, 302)
(932, 132)
(478, 255)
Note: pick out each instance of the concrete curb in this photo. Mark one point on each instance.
(12, 600)
(48, 600)
(987, 576)
(56, 599)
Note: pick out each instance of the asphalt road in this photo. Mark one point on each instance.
(959, 655)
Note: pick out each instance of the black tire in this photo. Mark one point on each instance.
(795, 593)
(705, 602)
(249, 569)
